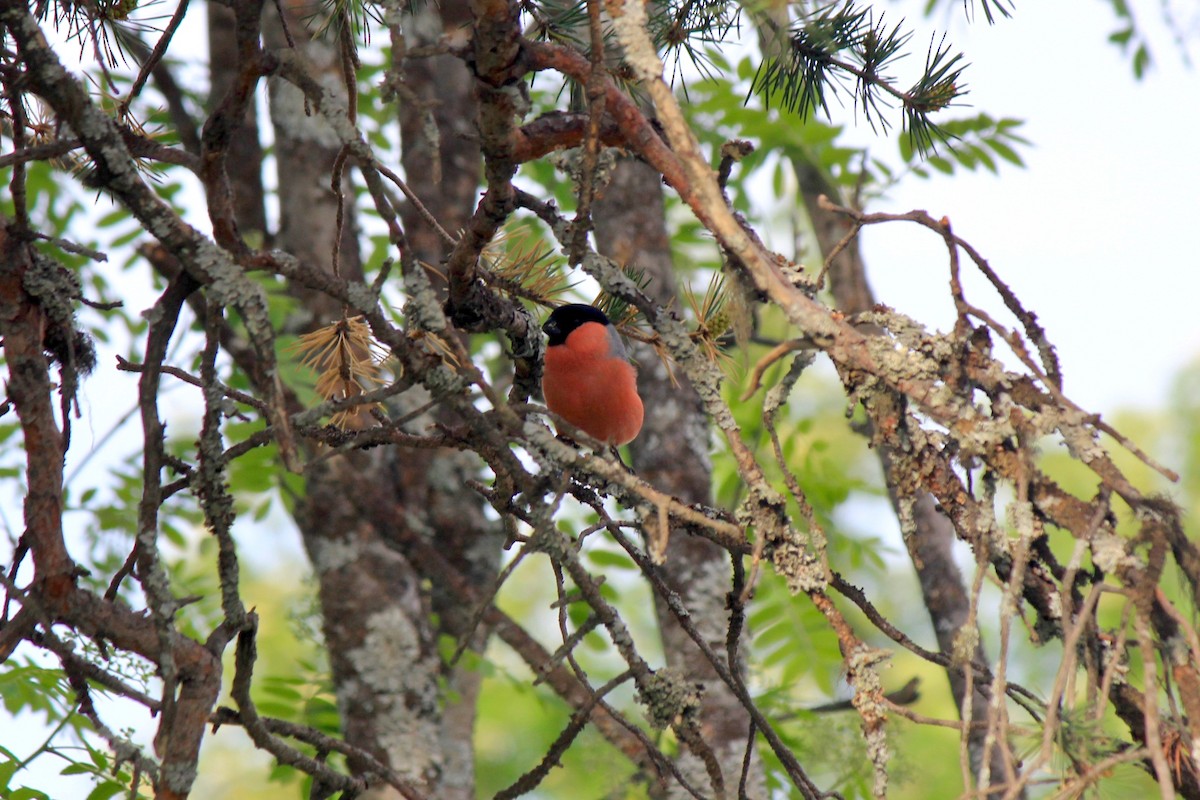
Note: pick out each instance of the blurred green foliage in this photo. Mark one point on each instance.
(794, 658)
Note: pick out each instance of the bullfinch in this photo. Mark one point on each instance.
(588, 380)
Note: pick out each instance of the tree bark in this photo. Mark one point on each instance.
(442, 165)
(672, 454)
(930, 543)
(245, 148)
(376, 609)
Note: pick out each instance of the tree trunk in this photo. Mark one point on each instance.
(931, 540)
(442, 165)
(378, 610)
(672, 454)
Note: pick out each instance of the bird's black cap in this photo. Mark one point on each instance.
(565, 319)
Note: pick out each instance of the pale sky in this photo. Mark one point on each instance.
(1097, 235)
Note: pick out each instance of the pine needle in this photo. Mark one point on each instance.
(620, 312)
(438, 345)
(524, 267)
(347, 362)
(713, 319)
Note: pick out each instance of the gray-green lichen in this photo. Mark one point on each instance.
(985, 522)
(789, 552)
(906, 505)
(288, 114)
(966, 640)
(55, 287)
(545, 443)
(629, 23)
(330, 554)
(1113, 661)
(879, 753)
(570, 163)
(669, 697)
(391, 668)
(1020, 517)
(1080, 437)
(1109, 551)
(704, 591)
(860, 667)
(178, 777)
(361, 296)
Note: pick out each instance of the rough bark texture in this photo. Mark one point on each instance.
(672, 453)
(245, 148)
(306, 148)
(930, 543)
(441, 158)
(376, 615)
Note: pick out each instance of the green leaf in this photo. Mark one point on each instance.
(78, 768)
(99, 758)
(984, 157)
(113, 217)
(281, 691)
(941, 164)
(1121, 38)
(965, 157)
(105, 790)
(609, 559)
(773, 636)
(578, 613)
(8, 429)
(8, 769)
(173, 534)
(1004, 151)
(127, 238)
(272, 708)
(1141, 61)
(25, 793)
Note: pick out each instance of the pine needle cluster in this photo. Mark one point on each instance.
(347, 361)
(105, 25)
(524, 267)
(712, 317)
(620, 312)
(843, 50)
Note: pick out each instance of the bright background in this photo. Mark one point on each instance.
(1096, 235)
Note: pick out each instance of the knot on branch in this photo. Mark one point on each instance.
(476, 309)
(56, 289)
(784, 546)
(669, 698)
(468, 310)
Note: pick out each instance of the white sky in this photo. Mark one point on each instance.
(1097, 235)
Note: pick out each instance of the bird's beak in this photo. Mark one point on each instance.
(551, 328)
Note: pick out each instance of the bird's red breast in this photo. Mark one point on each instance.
(587, 380)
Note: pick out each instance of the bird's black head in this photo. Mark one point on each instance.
(565, 319)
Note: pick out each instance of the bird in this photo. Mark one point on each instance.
(588, 380)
